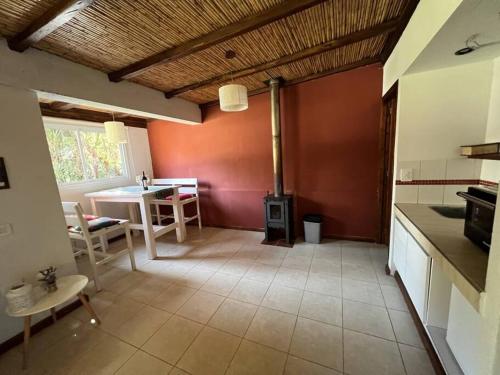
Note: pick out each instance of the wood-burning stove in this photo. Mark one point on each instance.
(279, 219)
(278, 207)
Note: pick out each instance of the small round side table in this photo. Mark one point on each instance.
(67, 288)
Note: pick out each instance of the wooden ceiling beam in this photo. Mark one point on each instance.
(53, 18)
(61, 106)
(243, 26)
(88, 115)
(393, 38)
(340, 69)
(308, 52)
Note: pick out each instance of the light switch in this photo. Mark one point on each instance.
(406, 174)
(5, 230)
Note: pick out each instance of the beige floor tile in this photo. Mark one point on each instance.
(416, 360)
(237, 266)
(142, 363)
(302, 263)
(364, 354)
(318, 342)
(210, 353)
(324, 283)
(321, 307)
(148, 289)
(100, 302)
(369, 319)
(127, 282)
(330, 251)
(178, 371)
(119, 312)
(329, 266)
(195, 278)
(301, 249)
(272, 328)
(255, 359)
(173, 298)
(104, 358)
(233, 317)
(221, 284)
(356, 255)
(359, 272)
(282, 298)
(261, 272)
(292, 278)
(250, 291)
(271, 257)
(384, 279)
(138, 329)
(404, 328)
(297, 366)
(201, 306)
(362, 291)
(393, 298)
(172, 339)
(212, 263)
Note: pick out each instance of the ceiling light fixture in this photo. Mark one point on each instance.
(115, 131)
(233, 97)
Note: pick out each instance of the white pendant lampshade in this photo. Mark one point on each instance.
(233, 98)
(115, 131)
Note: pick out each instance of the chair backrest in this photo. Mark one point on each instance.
(73, 213)
(188, 185)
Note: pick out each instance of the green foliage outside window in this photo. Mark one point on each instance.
(83, 154)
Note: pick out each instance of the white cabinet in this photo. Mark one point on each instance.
(399, 248)
(413, 266)
(416, 277)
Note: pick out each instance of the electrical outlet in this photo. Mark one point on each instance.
(5, 230)
(406, 174)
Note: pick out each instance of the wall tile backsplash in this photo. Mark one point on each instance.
(435, 181)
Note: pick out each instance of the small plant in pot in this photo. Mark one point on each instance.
(48, 277)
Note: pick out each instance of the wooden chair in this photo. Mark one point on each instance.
(79, 228)
(188, 193)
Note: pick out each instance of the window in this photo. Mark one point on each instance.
(84, 154)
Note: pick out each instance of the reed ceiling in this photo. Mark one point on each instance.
(111, 34)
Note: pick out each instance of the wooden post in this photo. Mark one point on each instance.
(27, 332)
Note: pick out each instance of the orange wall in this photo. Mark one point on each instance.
(330, 135)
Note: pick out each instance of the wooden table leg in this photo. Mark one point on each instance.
(53, 313)
(132, 213)
(89, 308)
(27, 331)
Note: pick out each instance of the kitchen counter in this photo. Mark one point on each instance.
(443, 239)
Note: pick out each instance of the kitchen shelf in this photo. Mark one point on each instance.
(482, 151)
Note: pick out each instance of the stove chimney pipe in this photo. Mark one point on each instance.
(274, 84)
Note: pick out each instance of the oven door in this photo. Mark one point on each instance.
(479, 218)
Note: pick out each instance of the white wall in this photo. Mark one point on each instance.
(32, 205)
(438, 111)
(60, 79)
(429, 17)
(491, 168)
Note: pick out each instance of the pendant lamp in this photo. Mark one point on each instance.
(115, 131)
(233, 97)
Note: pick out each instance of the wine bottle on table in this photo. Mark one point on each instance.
(144, 181)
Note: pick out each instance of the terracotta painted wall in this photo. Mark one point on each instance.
(330, 138)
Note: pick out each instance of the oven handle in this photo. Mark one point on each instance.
(476, 200)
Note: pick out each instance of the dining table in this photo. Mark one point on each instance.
(137, 195)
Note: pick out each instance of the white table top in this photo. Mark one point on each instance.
(134, 191)
(67, 288)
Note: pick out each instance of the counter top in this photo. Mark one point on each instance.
(445, 238)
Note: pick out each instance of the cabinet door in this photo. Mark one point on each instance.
(399, 248)
(416, 278)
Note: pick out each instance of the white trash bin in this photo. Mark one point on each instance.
(312, 228)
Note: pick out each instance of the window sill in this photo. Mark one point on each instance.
(87, 186)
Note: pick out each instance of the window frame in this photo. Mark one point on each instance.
(79, 125)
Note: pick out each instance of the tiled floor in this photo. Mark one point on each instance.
(221, 303)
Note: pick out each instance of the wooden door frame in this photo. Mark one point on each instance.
(387, 138)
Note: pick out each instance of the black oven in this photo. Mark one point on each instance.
(479, 215)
